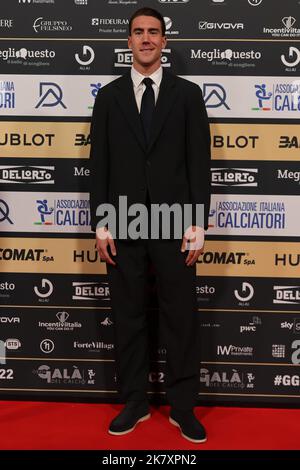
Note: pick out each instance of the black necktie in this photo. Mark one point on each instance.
(147, 107)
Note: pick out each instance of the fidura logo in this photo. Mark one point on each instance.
(24, 254)
(234, 177)
(286, 295)
(7, 95)
(285, 97)
(64, 212)
(124, 58)
(27, 174)
(223, 257)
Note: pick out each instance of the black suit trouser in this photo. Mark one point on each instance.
(178, 319)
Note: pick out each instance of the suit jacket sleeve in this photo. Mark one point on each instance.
(198, 153)
(99, 156)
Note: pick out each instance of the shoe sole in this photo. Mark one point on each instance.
(121, 433)
(172, 421)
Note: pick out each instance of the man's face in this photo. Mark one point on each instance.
(146, 41)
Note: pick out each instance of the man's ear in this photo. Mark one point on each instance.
(129, 42)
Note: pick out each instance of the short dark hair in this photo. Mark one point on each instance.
(148, 12)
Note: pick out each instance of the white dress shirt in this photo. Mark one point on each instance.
(139, 87)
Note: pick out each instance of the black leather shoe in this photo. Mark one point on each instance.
(133, 413)
(188, 424)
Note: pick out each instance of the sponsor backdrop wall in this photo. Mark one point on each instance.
(55, 318)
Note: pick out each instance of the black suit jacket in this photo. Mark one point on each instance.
(173, 168)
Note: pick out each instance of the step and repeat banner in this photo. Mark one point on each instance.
(56, 327)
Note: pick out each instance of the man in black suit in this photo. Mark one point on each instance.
(150, 142)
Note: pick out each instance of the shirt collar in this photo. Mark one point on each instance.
(137, 77)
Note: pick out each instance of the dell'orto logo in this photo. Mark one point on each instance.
(87, 56)
(246, 294)
(286, 295)
(91, 291)
(234, 177)
(26, 174)
(293, 57)
(124, 58)
(45, 290)
(50, 95)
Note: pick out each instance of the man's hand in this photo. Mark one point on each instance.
(103, 240)
(193, 240)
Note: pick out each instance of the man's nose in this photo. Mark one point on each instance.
(146, 37)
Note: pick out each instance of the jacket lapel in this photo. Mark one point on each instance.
(166, 97)
(126, 99)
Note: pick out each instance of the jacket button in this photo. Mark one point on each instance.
(148, 163)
